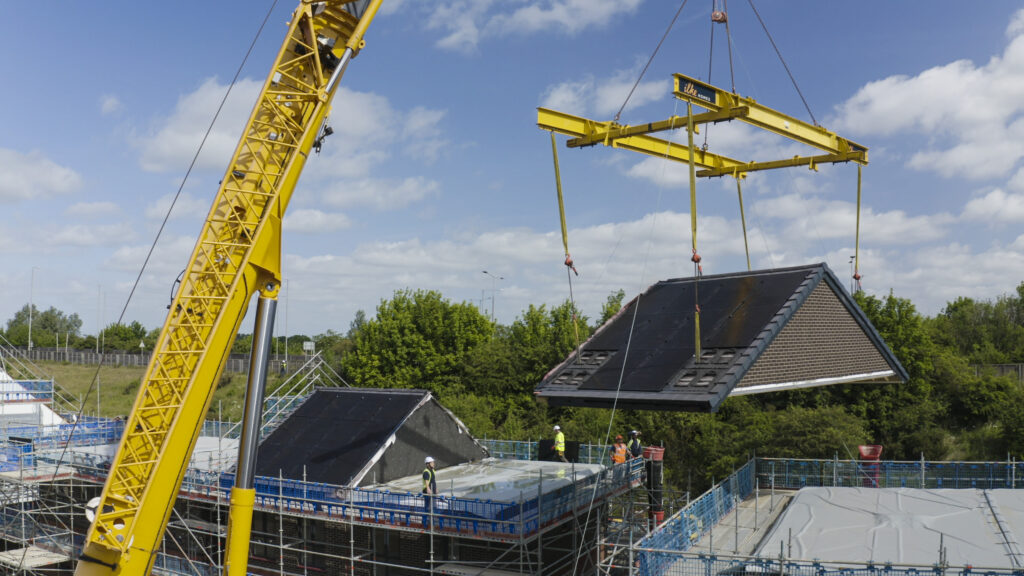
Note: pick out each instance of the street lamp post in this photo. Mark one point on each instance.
(494, 291)
(31, 305)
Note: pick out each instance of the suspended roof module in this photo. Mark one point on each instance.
(764, 331)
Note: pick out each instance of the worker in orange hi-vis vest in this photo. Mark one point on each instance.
(619, 450)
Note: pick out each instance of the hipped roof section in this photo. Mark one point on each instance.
(761, 331)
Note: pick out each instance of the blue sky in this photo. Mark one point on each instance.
(437, 170)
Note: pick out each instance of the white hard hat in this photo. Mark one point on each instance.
(557, 427)
(428, 460)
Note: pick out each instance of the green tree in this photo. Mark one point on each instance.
(418, 339)
(612, 306)
(905, 418)
(46, 326)
(124, 337)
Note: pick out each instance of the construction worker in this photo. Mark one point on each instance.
(636, 449)
(560, 443)
(619, 450)
(429, 477)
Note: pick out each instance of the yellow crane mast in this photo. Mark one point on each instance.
(238, 253)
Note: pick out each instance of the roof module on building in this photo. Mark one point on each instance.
(359, 436)
(760, 331)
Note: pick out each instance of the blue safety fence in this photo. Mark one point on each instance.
(87, 432)
(16, 456)
(795, 473)
(527, 450)
(675, 564)
(665, 551)
(168, 565)
(27, 391)
(471, 516)
(680, 532)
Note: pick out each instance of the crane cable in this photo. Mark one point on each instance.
(720, 15)
(570, 266)
(743, 218)
(649, 60)
(856, 245)
(697, 269)
(781, 59)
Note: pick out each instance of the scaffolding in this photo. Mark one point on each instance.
(49, 474)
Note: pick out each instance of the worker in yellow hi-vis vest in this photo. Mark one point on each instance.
(560, 443)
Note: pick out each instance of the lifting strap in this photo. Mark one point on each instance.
(693, 231)
(569, 265)
(856, 246)
(743, 218)
(561, 206)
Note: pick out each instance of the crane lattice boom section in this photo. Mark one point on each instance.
(237, 254)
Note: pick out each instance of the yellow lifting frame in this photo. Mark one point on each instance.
(722, 106)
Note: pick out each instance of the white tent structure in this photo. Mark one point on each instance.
(26, 402)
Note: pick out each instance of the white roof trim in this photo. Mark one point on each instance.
(744, 390)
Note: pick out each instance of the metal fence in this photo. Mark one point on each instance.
(238, 363)
(796, 473)
(482, 518)
(672, 563)
(665, 551)
(681, 531)
(528, 450)
(19, 445)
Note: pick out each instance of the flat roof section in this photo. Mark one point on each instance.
(499, 480)
(898, 525)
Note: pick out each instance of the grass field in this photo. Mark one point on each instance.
(118, 387)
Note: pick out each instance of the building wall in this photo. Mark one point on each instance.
(821, 340)
(429, 431)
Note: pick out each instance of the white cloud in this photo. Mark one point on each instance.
(1016, 26)
(423, 133)
(805, 217)
(924, 275)
(603, 97)
(109, 104)
(88, 235)
(187, 206)
(92, 209)
(573, 97)
(367, 131)
(33, 176)
(971, 115)
(312, 221)
(171, 145)
(465, 23)
(1018, 244)
(567, 16)
(380, 194)
(997, 205)
(169, 257)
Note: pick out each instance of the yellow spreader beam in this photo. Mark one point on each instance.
(722, 106)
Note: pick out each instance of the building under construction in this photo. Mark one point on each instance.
(339, 495)
(339, 490)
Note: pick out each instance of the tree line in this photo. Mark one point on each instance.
(485, 373)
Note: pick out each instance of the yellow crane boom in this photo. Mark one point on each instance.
(238, 253)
